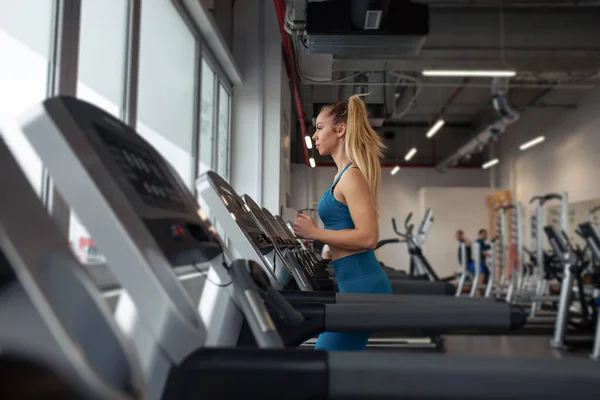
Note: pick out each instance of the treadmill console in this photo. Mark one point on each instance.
(558, 241)
(277, 227)
(286, 231)
(241, 213)
(262, 220)
(592, 237)
(426, 223)
(163, 202)
(143, 171)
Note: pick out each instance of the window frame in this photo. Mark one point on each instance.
(217, 149)
(63, 76)
(204, 57)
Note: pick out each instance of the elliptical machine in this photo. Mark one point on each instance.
(419, 265)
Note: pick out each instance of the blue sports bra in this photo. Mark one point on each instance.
(335, 215)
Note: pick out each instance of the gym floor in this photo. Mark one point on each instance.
(509, 346)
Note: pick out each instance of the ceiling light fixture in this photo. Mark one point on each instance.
(410, 154)
(469, 73)
(435, 128)
(532, 143)
(395, 170)
(308, 142)
(490, 163)
(312, 162)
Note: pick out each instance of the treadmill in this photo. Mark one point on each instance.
(285, 259)
(57, 336)
(592, 237)
(224, 203)
(141, 237)
(294, 256)
(402, 285)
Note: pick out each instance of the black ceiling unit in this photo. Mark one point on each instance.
(366, 27)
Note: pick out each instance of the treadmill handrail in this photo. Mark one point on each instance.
(396, 228)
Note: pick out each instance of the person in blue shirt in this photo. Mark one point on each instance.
(484, 250)
(462, 238)
(349, 209)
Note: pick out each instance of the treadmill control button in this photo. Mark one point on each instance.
(177, 231)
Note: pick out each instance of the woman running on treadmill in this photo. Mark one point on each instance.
(349, 209)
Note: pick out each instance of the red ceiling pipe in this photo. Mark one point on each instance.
(289, 54)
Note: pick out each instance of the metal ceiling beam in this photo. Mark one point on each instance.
(533, 61)
(478, 85)
(524, 28)
(535, 40)
(511, 3)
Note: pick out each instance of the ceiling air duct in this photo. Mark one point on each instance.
(506, 116)
(366, 27)
(362, 81)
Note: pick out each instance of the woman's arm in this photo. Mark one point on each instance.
(364, 236)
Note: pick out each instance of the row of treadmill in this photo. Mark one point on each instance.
(560, 286)
(263, 295)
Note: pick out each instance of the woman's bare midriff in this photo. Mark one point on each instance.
(337, 253)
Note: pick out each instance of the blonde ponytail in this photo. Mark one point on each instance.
(363, 146)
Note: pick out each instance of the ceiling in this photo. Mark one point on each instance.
(553, 46)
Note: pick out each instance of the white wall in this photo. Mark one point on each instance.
(260, 127)
(453, 208)
(567, 161)
(399, 196)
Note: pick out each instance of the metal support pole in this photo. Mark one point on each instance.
(463, 275)
(503, 246)
(477, 259)
(562, 318)
(492, 271)
(518, 222)
(539, 253)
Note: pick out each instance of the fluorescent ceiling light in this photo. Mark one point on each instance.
(490, 163)
(312, 162)
(395, 170)
(532, 143)
(467, 73)
(308, 142)
(435, 128)
(410, 154)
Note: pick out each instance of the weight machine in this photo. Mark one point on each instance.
(539, 274)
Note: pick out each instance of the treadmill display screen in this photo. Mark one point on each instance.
(590, 233)
(236, 206)
(283, 229)
(240, 213)
(143, 171)
(259, 215)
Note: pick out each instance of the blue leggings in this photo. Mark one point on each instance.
(358, 273)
